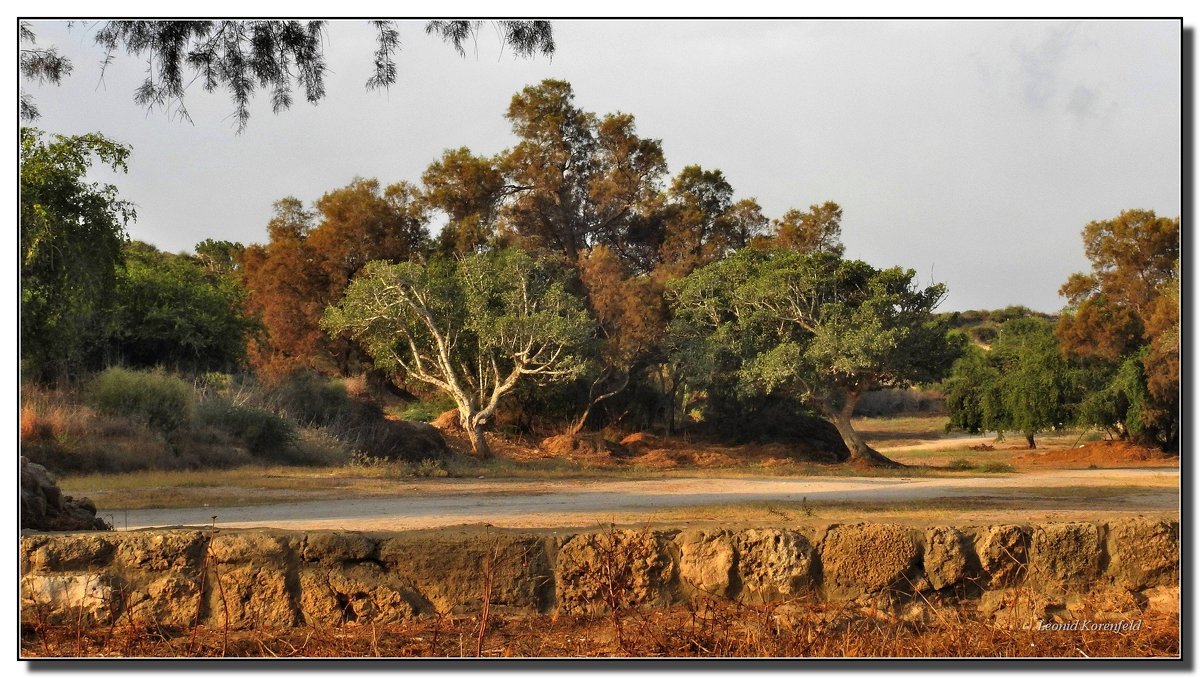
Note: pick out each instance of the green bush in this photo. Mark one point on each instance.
(998, 467)
(263, 432)
(961, 465)
(426, 410)
(310, 399)
(161, 401)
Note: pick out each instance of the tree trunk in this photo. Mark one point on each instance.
(479, 445)
(1029, 441)
(860, 452)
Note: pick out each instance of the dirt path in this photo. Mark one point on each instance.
(528, 504)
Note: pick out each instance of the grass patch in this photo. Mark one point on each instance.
(997, 467)
(961, 465)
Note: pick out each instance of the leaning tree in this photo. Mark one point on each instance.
(473, 328)
(814, 326)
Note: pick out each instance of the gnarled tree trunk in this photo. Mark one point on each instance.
(860, 452)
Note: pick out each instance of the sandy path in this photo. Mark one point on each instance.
(524, 503)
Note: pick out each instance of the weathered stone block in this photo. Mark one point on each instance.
(624, 568)
(774, 564)
(867, 558)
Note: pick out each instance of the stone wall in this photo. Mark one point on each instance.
(1015, 574)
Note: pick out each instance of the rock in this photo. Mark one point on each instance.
(1143, 553)
(66, 553)
(705, 562)
(69, 599)
(43, 506)
(1003, 552)
(1161, 600)
(1019, 608)
(1065, 557)
(867, 558)
(452, 572)
(245, 547)
(948, 557)
(624, 568)
(159, 551)
(254, 595)
(172, 601)
(357, 593)
(774, 564)
(337, 547)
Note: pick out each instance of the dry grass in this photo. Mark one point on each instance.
(706, 628)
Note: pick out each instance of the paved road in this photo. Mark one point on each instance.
(525, 503)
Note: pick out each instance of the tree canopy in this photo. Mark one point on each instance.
(72, 232)
(817, 327)
(473, 328)
(241, 56)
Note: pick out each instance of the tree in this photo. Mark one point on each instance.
(1023, 384)
(1129, 306)
(630, 317)
(40, 65)
(473, 328)
(576, 180)
(702, 223)
(241, 56)
(172, 310)
(467, 189)
(817, 230)
(816, 327)
(72, 232)
(307, 264)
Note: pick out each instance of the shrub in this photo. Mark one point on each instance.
(961, 465)
(309, 399)
(161, 401)
(262, 431)
(426, 410)
(998, 467)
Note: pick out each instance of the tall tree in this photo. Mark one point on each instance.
(817, 230)
(467, 189)
(72, 231)
(702, 223)
(472, 328)
(817, 327)
(577, 180)
(240, 56)
(1126, 307)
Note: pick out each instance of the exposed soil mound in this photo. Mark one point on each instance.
(1103, 454)
(447, 421)
(641, 442)
(659, 459)
(45, 507)
(586, 447)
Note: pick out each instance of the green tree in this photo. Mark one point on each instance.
(1127, 306)
(813, 326)
(473, 328)
(72, 231)
(171, 310)
(241, 56)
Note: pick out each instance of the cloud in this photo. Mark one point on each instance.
(1041, 66)
(1083, 102)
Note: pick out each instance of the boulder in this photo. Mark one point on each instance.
(1003, 552)
(1065, 556)
(622, 568)
(355, 593)
(774, 564)
(867, 559)
(705, 562)
(948, 557)
(44, 507)
(1143, 553)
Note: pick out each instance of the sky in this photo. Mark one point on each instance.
(973, 152)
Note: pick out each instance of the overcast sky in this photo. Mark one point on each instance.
(972, 151)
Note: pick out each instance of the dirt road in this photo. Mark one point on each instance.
(562, 503)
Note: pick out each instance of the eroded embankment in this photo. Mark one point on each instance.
(1015, 574)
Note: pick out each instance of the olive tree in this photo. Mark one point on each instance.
(473, 328)
(814, 326)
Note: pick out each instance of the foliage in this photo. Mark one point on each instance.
(241, 56)
(160, 400)
(262, 431)
(817, 230)
(1129, 306)
(1022, 384)
(472, 328)
(72, 232)
(307, 265)
(41, 65)
(171, 310)
(813, 326)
